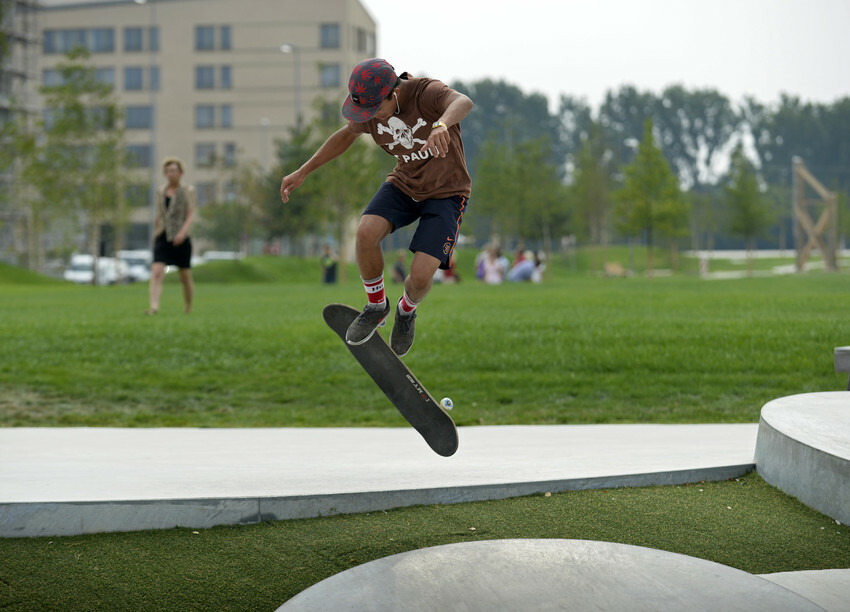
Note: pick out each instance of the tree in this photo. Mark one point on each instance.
(816, 132)
(649, 201)
(229, 223)
(622, 115)
(73, 160)
(347, 182)
(519, 188)
(750, 215)
(505, 114)
(695, 129)
(591, 188)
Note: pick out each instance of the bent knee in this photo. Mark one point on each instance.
(372, 230)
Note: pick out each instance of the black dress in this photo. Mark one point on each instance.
(170, 254)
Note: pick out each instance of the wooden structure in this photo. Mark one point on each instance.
(808, 234)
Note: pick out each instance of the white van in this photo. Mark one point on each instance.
(109, 270)
(138, 264)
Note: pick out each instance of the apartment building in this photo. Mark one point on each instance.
(210, 81)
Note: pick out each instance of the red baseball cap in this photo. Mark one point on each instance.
(371, 82)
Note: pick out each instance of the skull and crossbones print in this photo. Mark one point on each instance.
(402, 134)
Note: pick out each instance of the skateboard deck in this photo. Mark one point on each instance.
(398, 383)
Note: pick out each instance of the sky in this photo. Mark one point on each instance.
(585, 48)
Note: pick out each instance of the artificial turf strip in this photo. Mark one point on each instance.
(744, 523)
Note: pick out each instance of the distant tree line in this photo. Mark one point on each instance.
(683, 168)
(712, 147)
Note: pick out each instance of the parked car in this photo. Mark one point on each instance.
(81, 270)
(138, 264)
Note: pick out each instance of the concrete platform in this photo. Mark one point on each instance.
(803, 448)
(67, 481)
(830, 589)
(545, 575)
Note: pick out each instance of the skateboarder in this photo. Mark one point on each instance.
(417, 121)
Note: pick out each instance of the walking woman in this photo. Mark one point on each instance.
(175, 210)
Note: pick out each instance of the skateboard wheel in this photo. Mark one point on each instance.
(446, 403)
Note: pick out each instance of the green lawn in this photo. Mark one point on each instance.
(576, 349)
(743, 523)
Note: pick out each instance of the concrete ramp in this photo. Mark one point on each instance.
(544, 575)
(830, 589)
(803, 448)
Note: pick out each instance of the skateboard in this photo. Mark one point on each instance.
(398, 383)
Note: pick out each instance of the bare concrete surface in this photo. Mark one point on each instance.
(544, 575)
(803, 448)
(66, 481)
(830, 589)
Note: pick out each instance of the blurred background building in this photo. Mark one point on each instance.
(213, 82)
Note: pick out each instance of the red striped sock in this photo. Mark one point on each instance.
(375, 290)
(407, 305)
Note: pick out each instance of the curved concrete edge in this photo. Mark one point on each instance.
(73, 518)
(830, 589)
(525, 574)
(817, 478)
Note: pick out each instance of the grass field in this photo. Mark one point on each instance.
(577, 349)
(743, 523)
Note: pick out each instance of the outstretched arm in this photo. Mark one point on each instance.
(336, 144)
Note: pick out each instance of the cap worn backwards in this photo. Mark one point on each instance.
(371, 82)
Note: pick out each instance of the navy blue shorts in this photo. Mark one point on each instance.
(439, 220)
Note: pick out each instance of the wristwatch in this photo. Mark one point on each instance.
(437, 124)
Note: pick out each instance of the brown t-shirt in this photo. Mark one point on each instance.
(421, 176)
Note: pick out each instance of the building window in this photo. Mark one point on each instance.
(51, 78)
(226, 116)
(62, 41)
(230, 192)
(153, 39)
(204, 116)
(138, 156)
(204, 77)
(106, 76)
(225, 81)
(204, 38)
(204, 154)
(230, 154)
(96, 40)
(225, 38)
(102, 40)
(138, 118)
(330, 75)
(133, 39)
(329, 36)
(49, 41)
(133, 78)
(205, 193)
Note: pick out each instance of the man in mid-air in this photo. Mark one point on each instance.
(417, 121)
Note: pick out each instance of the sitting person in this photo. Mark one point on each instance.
(523, 268)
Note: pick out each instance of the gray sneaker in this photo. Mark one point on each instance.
(403, 332)
(362, 328)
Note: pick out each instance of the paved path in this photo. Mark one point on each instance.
(56, 481)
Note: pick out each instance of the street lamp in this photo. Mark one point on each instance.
(152, 186)
(296, 56)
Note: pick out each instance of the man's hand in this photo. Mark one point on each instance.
(289, 184)
(179, 239)
(438, 142)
